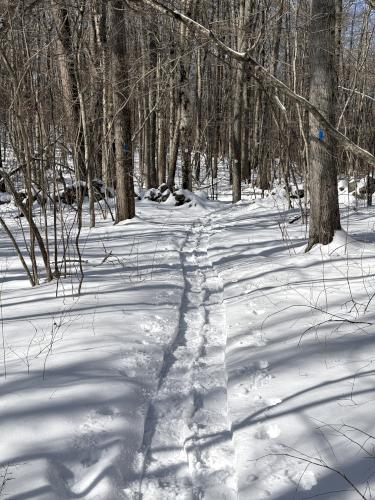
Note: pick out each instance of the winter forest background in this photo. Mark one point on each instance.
(187, 249)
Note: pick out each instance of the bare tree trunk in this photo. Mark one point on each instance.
(198, 118)
(324, 211)
(184, 130)
(161, 132)
(173, 152)
(237, 133)
(184, 105)
(122, 116)
(152, 104)
(106, 139)
(162, 151)
(174, 125)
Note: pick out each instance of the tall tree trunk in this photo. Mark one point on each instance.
(152, 104)
(122, 116)
(67, 69)
(324, 211)
(237, 132)
(185, 105)
(184, 130)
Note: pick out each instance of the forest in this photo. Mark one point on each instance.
(187, 292)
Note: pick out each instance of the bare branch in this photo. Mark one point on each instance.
(354, 91)
(262, 74)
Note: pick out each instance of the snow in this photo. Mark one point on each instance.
(5, 198)
(341, 244)
(207, 357)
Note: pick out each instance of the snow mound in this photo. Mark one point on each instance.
(197, 199)
(179, 198)
(341, 244)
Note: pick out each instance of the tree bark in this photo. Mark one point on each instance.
(324, 206)
(122, 116)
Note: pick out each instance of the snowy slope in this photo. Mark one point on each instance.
(207, 357)
(299, 357)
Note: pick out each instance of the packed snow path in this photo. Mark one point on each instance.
(208, 357)
(191, 400)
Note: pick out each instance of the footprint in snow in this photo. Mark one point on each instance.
(273, 401)
(268, 431)
(105, 411)
(255, 339)
(258, 312)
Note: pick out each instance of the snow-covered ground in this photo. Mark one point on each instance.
(207, 357)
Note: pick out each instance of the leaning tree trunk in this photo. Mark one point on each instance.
(324, 211)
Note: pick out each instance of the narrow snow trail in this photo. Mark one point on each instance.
(191, 400)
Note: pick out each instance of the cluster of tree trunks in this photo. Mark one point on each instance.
(269, 88)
